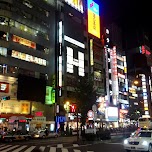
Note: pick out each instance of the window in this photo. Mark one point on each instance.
(3, 20)
(27, 3)
(3, 36)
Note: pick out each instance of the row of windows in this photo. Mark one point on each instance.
(25, 14)
(5, 36)
(37, 32)
(14, 70)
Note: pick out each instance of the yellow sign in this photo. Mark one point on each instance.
(93, 18)
(93, 24)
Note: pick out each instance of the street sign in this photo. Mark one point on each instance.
(90, 114)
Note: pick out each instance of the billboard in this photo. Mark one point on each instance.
(77, 4)
(93, 18)
(114, 75)
(112, 113)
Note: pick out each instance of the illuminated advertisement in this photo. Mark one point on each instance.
(145, 94)
(93, 18)
(111, 114)
(50, 95)
(91, 52)
(3, 51)
(123, 113)
(13, 106)
(77, 4)
(71, 62)
(24, 41)
(60, 54)
(114, 75)
(29, 58)
(143, 50)
(4, 87)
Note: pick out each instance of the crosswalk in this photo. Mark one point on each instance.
(48, 148)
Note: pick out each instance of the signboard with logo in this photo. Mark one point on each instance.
(114, 75)
(13, 106)
(50, 95)
(90, 115)
(4, 87)
(93, 18)
(112, 113)
(77, 4)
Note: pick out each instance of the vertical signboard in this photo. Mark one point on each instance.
(114, 75)
(91, 52)
(93, 18)
(50, 95)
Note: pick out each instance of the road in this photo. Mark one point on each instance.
(64, 146)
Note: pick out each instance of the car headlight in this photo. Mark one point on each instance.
(125, 141)
(144, 143)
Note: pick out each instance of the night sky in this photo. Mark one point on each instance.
(128, 14)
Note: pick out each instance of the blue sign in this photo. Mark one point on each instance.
(94, 7)
(60, 119)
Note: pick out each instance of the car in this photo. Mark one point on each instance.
(42, 134)
(141, 141)
(11, 136)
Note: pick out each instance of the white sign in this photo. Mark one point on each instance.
(90, 114)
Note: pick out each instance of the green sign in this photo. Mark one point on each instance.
(50, 95)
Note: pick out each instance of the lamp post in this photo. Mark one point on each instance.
(67, 108)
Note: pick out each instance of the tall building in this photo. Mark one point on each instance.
(116, 77)
(139, 62)
(27, 59)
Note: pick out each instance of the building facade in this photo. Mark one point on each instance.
(27, 56)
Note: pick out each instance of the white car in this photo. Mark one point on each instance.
(142, 141)
(42, 134)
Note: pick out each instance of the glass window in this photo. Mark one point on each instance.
(144, 134)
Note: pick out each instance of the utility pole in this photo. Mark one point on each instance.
(77, 125)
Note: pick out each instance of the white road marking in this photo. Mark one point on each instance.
(5, 147)
(19, 149)
(59, 145)
(75, 145)
(42, 148)
(52, 149)
(30, 149)
(10, 148)
(76, 150)
(64, 150)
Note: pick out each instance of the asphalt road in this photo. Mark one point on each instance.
(63, 144)
(100, 147)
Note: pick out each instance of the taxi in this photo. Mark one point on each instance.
(13, 136)
(141, 141)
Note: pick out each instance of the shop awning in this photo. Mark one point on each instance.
(7, 116)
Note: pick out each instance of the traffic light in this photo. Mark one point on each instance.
(72, 108)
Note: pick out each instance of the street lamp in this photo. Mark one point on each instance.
(67, 106)
(136, 82)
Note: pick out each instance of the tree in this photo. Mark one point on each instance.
(85, 95)
(134, 112)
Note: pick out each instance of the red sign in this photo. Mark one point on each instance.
(39, 114)
(22, 120)
(4, 87)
